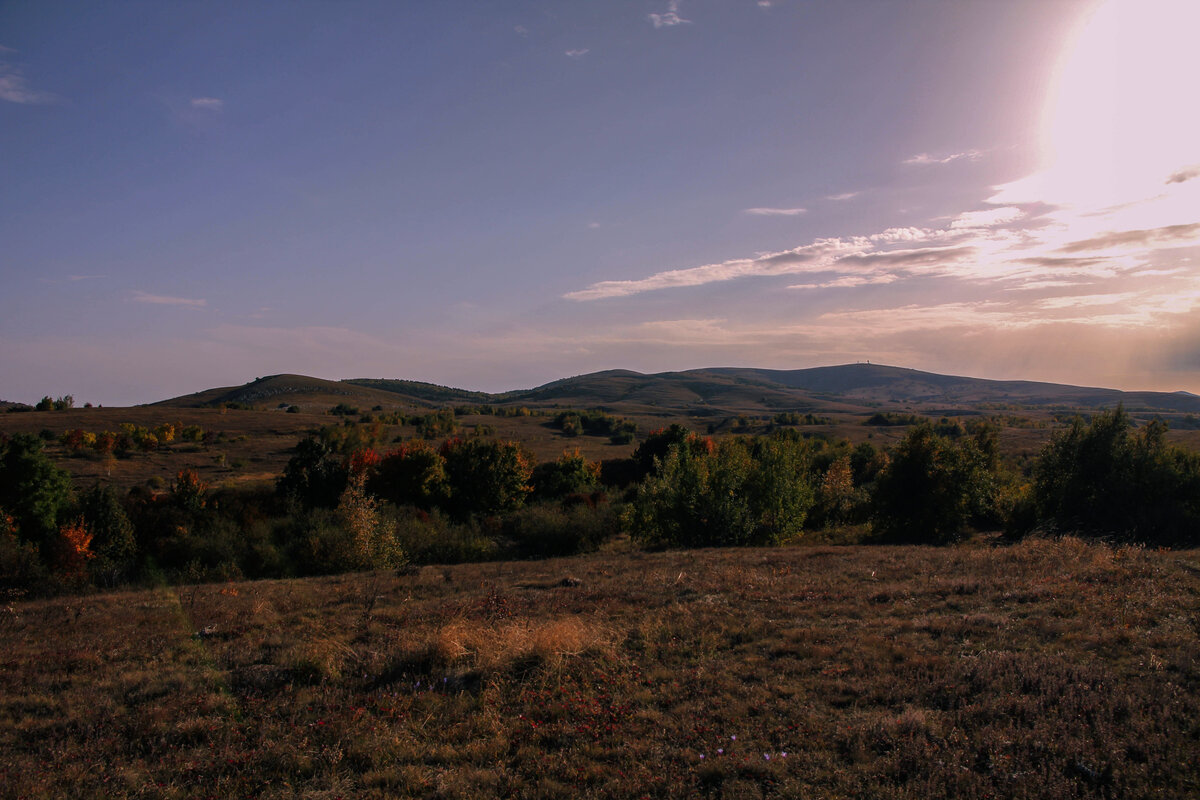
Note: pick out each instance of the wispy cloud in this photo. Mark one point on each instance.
(208, 103)
(775, 212)
(849, 282)
(670, 18)
(1136, 238)
(15, 89)
(164, 300)
(521, 30)
(580, 53)
(986, 218)
(1185, 174)
(842, 196)
(926, 158)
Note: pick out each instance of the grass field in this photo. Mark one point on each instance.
(1042, 670)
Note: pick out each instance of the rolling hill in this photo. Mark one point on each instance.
(846, 388)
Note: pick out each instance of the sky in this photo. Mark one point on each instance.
(494, 195)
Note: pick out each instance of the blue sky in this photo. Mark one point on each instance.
(495, 195)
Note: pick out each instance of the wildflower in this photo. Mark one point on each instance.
(720, 751)
(766, 756)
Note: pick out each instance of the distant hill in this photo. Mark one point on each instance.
(716, 391)
(284, 390)
(880, 383)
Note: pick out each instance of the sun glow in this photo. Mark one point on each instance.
(1120, 130)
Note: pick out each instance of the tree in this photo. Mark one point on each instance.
(113, 544)
(315, 477)
(414, 474)
(373, 544)
(33, 490)
(837, 491)
(570, 474)
(1106, 479)
(743, 491)
(485, 476)
(932, 488)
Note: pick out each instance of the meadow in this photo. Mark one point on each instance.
(1047, 669)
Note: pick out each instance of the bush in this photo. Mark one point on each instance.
(546, 530)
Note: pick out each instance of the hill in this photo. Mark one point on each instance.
(848, 388)
(286, 390)
(885, 384)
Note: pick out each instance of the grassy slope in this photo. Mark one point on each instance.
(1047, 670)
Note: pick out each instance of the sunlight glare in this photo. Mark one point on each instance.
(1121, 118)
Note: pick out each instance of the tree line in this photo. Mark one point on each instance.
(341, 504)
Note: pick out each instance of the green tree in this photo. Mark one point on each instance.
(570, 474)
(1107, 479)
(744, 491)
(485, 476)
(932, 489)
(33, 490)
(315, 476)
(414, 474)
(113, 544)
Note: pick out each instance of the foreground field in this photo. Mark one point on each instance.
(1048, 670)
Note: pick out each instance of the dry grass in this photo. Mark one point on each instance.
(1047, 670)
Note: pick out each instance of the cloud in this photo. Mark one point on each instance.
(593, 225)
(669, 19)
(987, 218)
(157, 299)
(849, 282)
(842, 196)
(580, 53)
(208, 103)
(521, 30)
(926, 158)
(15, 89)
(775, 212)
(1185, 174)
(1167, 233)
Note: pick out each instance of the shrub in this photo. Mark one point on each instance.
(545, 530)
